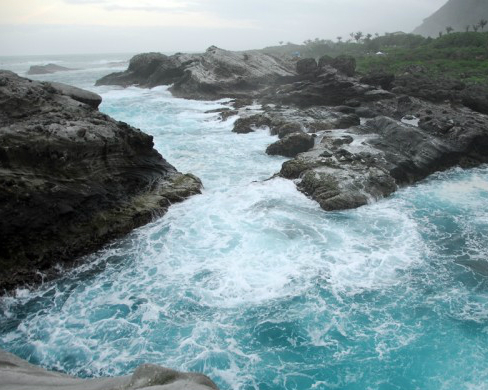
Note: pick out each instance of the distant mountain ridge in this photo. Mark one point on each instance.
(455, 13)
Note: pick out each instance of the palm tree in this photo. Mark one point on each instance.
(281, 42)
(449, 29)
(440, 34)
(482, 23)
(476, 27)
(339, 39)
(467, 27)
(368, 37)
(358, 36)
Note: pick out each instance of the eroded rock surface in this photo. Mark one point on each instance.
(213, 74)
(71, 178)
(17, 374)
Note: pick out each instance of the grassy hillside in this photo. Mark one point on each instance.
(462, 55)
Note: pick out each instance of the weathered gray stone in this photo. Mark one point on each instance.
(17, 374)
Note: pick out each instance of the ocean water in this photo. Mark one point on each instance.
(254, 285)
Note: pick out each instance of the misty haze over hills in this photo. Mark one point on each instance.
(455, 13)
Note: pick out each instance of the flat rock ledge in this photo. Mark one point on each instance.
(17, 374)
(71, 179)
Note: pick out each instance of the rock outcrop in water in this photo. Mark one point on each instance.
(213, 74)
(46, 69)
(71, 178)
(16, 374)
(349, 164)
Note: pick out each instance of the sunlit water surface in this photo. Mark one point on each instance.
(254, 285)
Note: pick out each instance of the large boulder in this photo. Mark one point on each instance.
(71, 178)
(16, 373)
(306, 66)
(291, 145)
(344, 63)
(251, 123)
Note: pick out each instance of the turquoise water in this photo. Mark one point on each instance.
(254, 285)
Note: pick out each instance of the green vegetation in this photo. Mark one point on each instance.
(458, 55)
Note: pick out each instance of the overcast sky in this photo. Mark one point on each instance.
(126, 26)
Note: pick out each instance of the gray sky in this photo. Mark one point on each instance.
(124, 26)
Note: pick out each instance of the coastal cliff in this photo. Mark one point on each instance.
(71, 179)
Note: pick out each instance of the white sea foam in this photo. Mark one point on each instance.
(255, 285)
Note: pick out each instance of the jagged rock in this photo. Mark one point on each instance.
(383, 80)
(214, 74)
(288, 128)
(342, 172)
(306, 66)
(16, 373)
(249, 124)
(345, 64)
(71, 178)
(347, 121)
(291, 145)
(46, 69)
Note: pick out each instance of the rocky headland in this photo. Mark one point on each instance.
(352, 140)
(17, 374)
(71, 179)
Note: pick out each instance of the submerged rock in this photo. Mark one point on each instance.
(71, 178)
(47, 69)
(16, 373)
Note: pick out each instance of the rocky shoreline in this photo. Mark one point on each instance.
(352, 140)
(71, 179)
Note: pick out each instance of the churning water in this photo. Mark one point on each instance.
(254, 285)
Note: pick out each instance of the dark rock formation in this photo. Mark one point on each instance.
(71, 178)
(344, 63)
(16, 373)
(287, 129)
(346, 168)
(306, 66)
(249, 124)
(46, 69)
(213, 74)
(379, 79)
(365, 163)
(291, 145)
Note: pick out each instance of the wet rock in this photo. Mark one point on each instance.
(71, 179)
(249, 124)
(288, 128)
(16, 373)
(291, 145)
